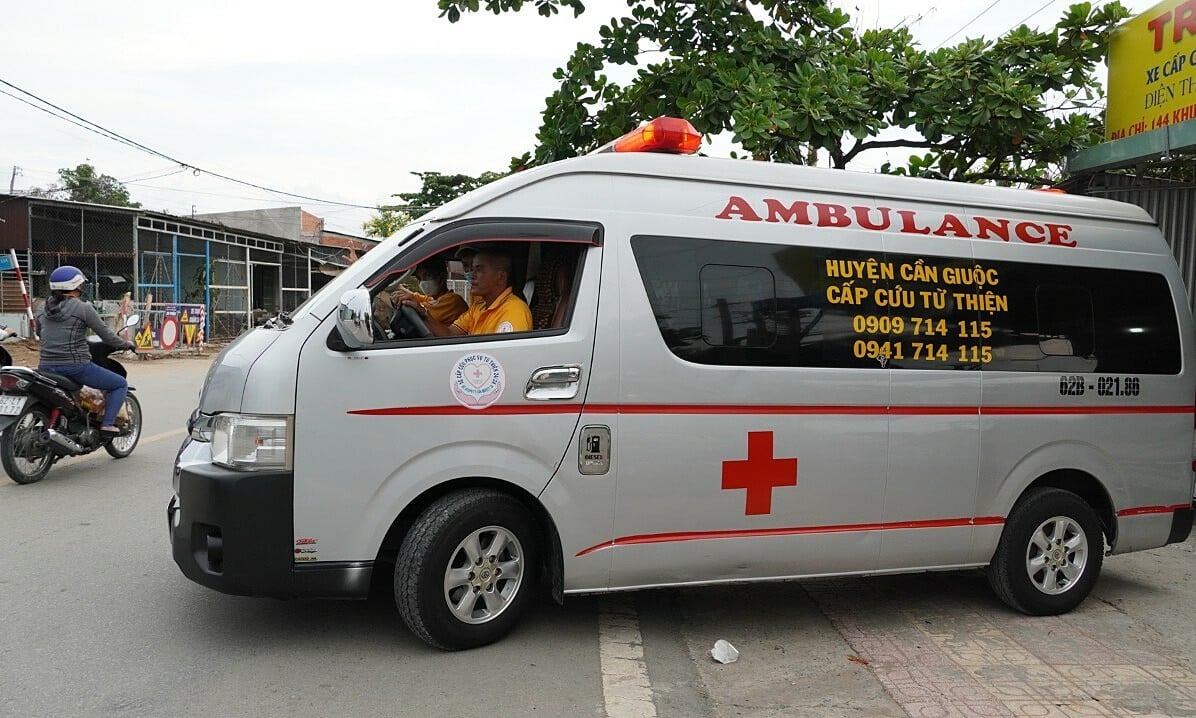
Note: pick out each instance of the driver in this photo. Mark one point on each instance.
(495, 308)
(434, 298)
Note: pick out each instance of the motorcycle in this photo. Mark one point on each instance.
(46, 416)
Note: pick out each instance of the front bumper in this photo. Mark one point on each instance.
(232, 531)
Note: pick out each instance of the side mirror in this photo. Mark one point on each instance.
(131, 321)
(355, 318)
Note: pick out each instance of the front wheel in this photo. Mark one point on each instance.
(1049, 555)
(121, 446)
(466, 568)
(24, 450)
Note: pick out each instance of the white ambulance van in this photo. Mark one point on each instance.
(735, 371)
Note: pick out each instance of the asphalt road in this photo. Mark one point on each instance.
(96, 620)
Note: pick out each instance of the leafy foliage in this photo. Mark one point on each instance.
(83, 184)
(793, 81)
(440, 188)
(388, 221)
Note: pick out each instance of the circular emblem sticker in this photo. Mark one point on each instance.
(506, 328)
(477, 381)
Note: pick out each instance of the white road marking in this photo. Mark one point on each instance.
(625, 686)
(162, 435)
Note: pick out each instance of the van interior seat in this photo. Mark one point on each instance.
(551, 306)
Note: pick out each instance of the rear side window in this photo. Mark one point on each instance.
(1084, 319)
(750, 304)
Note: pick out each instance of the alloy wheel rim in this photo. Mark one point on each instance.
(1057, 555)
(484, 574)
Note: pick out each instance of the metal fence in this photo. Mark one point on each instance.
(96, 241)
(1172, 204)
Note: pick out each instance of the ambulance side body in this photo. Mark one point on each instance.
(896, 464)
(899, 469)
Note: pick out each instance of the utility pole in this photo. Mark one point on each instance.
(12, 182)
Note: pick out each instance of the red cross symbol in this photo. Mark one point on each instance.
(477, 373)
(759, 473)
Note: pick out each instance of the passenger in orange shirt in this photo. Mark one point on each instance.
(495, 309)
(434, 298)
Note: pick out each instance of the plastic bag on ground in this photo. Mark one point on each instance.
(724, 652)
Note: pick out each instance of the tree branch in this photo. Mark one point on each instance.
(861, 146)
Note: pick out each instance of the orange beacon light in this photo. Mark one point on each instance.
(664, 134)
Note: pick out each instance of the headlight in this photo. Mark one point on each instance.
(252, 443)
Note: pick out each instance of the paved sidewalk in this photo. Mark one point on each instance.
(960, 652)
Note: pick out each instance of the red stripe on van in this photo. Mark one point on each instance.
(458, 410)
(768, 409)
(876, 410)
(1022, 410)
(794, 531)
(1141, 510)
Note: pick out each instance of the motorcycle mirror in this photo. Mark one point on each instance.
(132, 321)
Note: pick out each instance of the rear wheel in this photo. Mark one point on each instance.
(1050, 553)
(466, 568)
(122, 446)
(24, 451)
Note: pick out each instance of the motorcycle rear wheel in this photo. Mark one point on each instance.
(23, 461)
(122, 446)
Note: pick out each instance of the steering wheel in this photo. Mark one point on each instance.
(415, 323)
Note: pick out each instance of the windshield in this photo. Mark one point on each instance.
(387, 246)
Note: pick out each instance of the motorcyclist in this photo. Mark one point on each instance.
(62, 324)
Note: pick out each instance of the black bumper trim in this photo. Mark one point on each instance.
(234, 534)
(1181, 525)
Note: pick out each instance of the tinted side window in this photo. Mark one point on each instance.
(735, 303)
(739, 306)
(1083, 319)
(750, 304)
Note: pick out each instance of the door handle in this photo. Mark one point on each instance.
(554, 375)
(554, 382)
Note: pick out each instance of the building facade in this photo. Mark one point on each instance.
(237, 275)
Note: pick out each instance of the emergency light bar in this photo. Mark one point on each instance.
(664, 134)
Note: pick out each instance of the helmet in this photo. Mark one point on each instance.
(66, 279)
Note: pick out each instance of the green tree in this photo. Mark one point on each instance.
(388, 221)
(793, 81)
(438, 189)
(83, 184)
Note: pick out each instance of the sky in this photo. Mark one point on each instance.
(339, 102)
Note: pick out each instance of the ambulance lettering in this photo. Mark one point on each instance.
(759, 473)
(905, 221)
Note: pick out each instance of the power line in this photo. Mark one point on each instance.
(1021, 22)
(966, 24)
(66, 119)
(117, 137)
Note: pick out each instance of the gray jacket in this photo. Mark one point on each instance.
(62, 324)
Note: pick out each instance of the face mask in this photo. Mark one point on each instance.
(428, 286)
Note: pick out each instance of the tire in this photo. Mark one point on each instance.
(1050, 553)
(451, 601)
(23, 451)
(122, 446)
